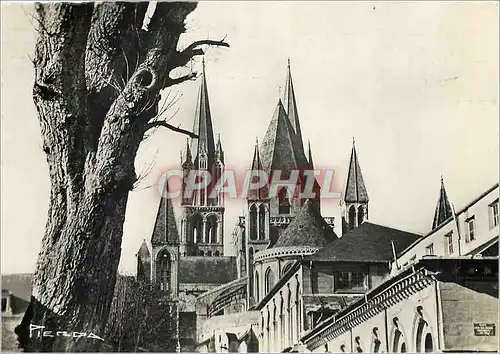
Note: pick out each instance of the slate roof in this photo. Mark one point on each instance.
(203, 125)
(443, 208)
(308, 228)
(207, 270)
(280, 149)
(144, 250)
(255, 194)
(290, 105)
(355, 191)
(20, 286)
(165, 229)
(367, 243)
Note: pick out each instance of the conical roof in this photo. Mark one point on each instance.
(443, 208)
(165, 229)
(143, 250)
(355, 191)
(308, 228)
(252, 193)
(280, 148)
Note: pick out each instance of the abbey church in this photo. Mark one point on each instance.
(294, 269)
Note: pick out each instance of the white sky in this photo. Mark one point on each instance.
(415, 83)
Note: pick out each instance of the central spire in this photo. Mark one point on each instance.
(291, 107)
(203, 125)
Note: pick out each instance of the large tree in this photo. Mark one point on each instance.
(98, 78)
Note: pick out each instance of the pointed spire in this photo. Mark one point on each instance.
(256, 164)
(253, 194)
(310, 158)
(443, 208)
(188, 158)
(203, 123)
(279, 149)
(355, 191)
(143, 250)
(165, 229)
(291, 107)
(219, 151)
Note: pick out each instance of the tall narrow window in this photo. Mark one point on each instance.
(257, 287)
(262, 222)
(429, 250)
(211, 229)
(494, 214)
(283, 202)
(250, 271)
(197, 227)
(470, 229)
(269, 281)
(163, 270)
(448, 243)
(352, 217)
(361, 215)
(253, 222)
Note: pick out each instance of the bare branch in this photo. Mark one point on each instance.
(171, 127)
(191, 50)
(190, 76)
(195, 44)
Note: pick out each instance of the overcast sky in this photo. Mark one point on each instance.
(415, 83)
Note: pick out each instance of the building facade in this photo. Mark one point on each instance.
(303, 282)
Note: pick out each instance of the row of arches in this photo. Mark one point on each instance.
(282, 318)
(257, 221)
(202, 230)
(209, 253)
(356, 216)
(423, 340)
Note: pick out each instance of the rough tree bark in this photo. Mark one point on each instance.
(98, 78)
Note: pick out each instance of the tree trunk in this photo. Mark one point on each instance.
(91, 132)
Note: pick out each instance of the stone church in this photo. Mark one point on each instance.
(185, 255)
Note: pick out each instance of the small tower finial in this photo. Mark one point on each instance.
(353, 141)
(288, 62)
(257, 140)
(203, 63)
(279, 91)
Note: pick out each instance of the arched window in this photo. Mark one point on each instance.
(352, 217)
(202, 253)
(283, 202)
(253, 222)
(197, 228)
(429, 343)
(209, 253)
(217, 254)
(361, 215)
(256, 286)
(211, 229)
(262, 222)
(250, 271)
(163, 270)
(269, 281)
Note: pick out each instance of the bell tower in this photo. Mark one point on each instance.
(202, 221)
(355, 201)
